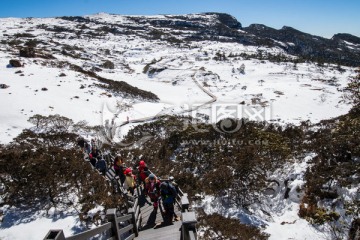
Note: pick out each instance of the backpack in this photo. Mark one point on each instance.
(101, 164)
(168, 193)
(172, 189)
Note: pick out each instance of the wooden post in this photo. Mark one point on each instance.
(182, 234)
(188, 224)
(111, 216)
(137, 190)
(57, 234)
(132, 211)
(184, 203)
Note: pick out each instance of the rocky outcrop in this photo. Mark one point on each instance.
(27, 52)
(310, 47)
(224, 27)
(108, 65)
(15, 63)
(3, 86)
(76, 19)
(346, 37)
(227, 20)
(342, 48)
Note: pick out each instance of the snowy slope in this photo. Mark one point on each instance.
(183, 73)
(292, 93)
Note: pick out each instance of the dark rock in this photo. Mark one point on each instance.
(44, 89)
(154, 70)
(15, 63)
(3, 86)
(108, 65)
(28, 52)
(46, 56)
(62, 75)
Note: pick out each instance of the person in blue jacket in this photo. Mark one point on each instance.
(168, 196)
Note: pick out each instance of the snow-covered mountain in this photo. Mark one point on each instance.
(106, 67)
(86, 61)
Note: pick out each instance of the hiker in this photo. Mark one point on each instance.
(84, 145)
(143, 172)
(101, 165)
(152, 189)
(81, 143)
(172, 181)
(130, 180)
(87, 147)
(168, 196)
(93, 143)
(119, 168)
(95, 153)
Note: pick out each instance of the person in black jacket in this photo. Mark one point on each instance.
(168, 196)
(95, 153)
(101, 166)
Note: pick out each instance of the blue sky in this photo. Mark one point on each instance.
(319, 17)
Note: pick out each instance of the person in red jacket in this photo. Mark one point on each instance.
(152, 189)
(143, 172)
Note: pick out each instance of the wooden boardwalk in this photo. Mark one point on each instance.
(152, 225)
(172, 232)
(140, 221)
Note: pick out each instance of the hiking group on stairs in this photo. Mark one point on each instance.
(159, 192)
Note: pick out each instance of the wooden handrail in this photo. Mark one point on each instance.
(90, 233)
(123, 218)
(126, 229)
